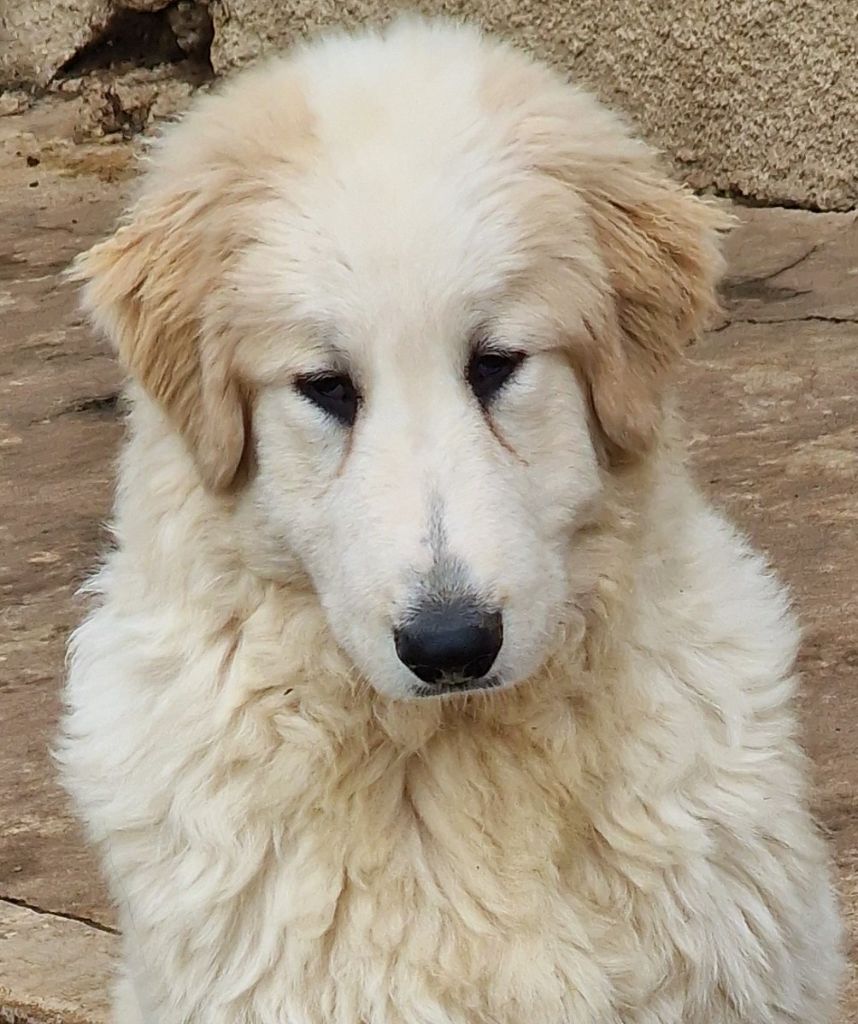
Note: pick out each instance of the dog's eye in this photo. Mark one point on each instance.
(489, 371)
(335, 393)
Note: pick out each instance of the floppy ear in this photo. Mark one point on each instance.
(660, 246)
(147, 288)
(657, 257)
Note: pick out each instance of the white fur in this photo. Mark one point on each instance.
(620, 832)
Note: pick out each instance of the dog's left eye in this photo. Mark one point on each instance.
(489, 371)
(335, 393)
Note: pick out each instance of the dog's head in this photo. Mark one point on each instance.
(410, 299)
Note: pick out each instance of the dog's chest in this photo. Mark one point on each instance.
(467, 883)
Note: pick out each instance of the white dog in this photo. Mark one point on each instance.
(422, 687)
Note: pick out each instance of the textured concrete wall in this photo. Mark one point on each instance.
(753, 97)
(758, 97)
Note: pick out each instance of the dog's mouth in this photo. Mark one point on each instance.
(451, 686)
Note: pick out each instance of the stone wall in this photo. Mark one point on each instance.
(755, 98)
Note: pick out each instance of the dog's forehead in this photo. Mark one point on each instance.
(389, 252)
(407, 202)
(413, 215)
(386, 225)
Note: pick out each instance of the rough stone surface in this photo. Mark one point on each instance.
(53, 970)
(129, 102)
(772, 399)
(191, 24)
(750, 97)
(37, 37)
(13, 101)
(57, 440)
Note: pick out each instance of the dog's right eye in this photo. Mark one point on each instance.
(334, 393)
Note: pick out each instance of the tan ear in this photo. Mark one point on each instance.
(657, 257)
(155, 285)
(660, 245)
(147, 288)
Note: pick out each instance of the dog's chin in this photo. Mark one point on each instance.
(453, 687)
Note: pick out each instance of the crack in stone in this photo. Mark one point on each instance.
(104, 406)
(780, 270)
(758, 287)
(787, 320)
(740, 198)
(62, 915)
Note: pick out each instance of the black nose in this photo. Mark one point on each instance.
(456, 639)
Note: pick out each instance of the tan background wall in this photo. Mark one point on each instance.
(752, 97)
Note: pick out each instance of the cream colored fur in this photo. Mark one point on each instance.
(618, 834)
